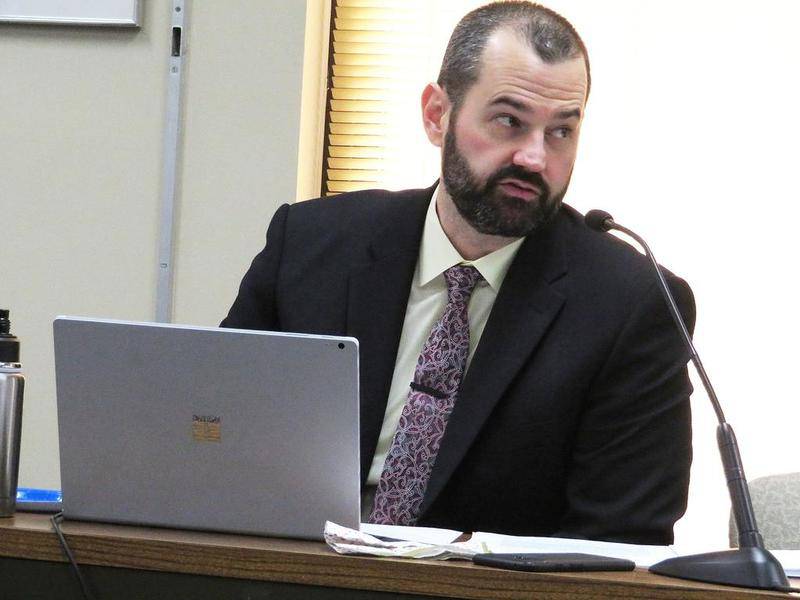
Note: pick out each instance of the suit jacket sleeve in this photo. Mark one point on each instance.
(629, 471)
(255, 306)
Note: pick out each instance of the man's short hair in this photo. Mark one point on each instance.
(550, 35)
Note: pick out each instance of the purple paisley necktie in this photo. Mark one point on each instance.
(433, 392)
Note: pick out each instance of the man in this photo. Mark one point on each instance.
(548, 393)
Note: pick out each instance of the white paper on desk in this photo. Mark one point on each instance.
(790, 561)
(643, 556)
(424, 535)
(349, 541)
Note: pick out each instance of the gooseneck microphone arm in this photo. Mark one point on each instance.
(751, 565)
(602, 221)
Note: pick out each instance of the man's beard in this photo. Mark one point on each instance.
(485, 206)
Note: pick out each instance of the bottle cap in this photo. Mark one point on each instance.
(9, 344)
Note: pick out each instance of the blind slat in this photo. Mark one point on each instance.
(353, 175)
(355, 140)
(367, 164)
(372, 37)
(410, 26)
(386, 60)
(357, 129)
(368, 83)
(365, 48)
(371, 152)
(359, 106)
(349, 186)
(375, 72)
(377, 14)
(382, 97)
(394, 4)
(357, 117)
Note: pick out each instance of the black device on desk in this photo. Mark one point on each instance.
(553, 562)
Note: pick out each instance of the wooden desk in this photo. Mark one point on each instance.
(139, 562)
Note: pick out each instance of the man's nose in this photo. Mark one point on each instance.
(532, 154)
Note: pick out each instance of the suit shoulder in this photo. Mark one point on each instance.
(618, 275)
(607, 255)
(363, 206)
(339, 230)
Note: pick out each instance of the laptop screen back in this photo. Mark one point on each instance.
(205, 428)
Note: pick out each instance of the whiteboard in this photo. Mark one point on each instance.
(124, 13)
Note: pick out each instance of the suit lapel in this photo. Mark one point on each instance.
(376, 306)
(523, 310)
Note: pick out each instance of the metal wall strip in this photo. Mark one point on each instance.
(172, 131)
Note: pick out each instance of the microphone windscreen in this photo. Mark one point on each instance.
(599, 220)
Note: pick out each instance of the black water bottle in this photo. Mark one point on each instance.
(12, 385)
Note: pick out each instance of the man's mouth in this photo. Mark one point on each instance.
(519, 189)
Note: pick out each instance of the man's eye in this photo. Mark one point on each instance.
(561, 132)
(507, 120)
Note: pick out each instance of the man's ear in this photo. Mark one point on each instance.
(435, 112)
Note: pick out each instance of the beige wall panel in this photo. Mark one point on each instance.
(81, 117)
(243, 84)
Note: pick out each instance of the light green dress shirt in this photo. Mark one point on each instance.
(426, 303)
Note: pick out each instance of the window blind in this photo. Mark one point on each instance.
(376, 47)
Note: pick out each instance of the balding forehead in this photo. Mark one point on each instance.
(511, 64)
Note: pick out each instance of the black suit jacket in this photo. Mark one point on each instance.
(573, 418)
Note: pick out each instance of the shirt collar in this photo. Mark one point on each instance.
(437, 254)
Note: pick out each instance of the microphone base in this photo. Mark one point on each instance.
(753, 568)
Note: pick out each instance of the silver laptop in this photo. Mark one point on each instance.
(205, 428)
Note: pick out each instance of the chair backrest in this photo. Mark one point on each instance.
(776, 502)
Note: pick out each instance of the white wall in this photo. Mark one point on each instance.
(691, 139)
(81, 121)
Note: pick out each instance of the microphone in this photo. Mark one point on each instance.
(599, 220)
(751, 565)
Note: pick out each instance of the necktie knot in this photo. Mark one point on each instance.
(461, 281)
